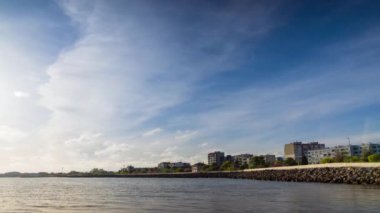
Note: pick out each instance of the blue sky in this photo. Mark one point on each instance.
(88, 84)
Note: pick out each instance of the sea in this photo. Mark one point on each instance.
(182, 195)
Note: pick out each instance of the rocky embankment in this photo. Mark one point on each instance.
(349, 175)
(346, 175)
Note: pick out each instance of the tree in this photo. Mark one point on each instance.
(304, 160)
(374, 158)
(244, 166)
(365, 154)
(327, 160)
(348, 159)
(178, 170)
(227, 166)
(96, 171)
(214, 167)
(355, 159)
(290, 162)
(279, 162)
(206, 168)
(257, 162)
(339, 156)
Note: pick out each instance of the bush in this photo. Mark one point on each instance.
(290, 162)
(355, 159)
(227, 166)
(257, 162)
(351, 159)
(374, 158)
(327, 160)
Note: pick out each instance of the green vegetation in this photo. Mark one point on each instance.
(257, 162)
(365, 155)
(304, 160)
(99, 172)
(327, 160)
(227, 166)
(290, 162)
(374, 158)
(339, 156)
(352, 159)
(244, 166)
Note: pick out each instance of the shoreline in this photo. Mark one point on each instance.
(342, 173)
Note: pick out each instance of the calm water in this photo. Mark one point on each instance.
(181, 195)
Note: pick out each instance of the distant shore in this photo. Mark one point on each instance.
(344, 173)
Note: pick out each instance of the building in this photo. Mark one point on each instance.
(269, 159)
(216, 158)
(169, 165)
(242, 159)
(373, 148)
(298, 150)
(293, 150)
(164, 165)
(228, 158)
(179, 165)
(315, 156)
(197, 167)
(130, 168)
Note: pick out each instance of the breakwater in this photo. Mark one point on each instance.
(343, 175)
(348, 175)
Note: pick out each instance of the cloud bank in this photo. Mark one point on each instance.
(140, 82)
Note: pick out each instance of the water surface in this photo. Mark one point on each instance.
(181, 195)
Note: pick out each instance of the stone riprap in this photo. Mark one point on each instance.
(345, 175)
(348, 175)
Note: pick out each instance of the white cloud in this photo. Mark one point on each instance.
(202, 145)
(152, 132)
(95, 95)
(21, 94)
(185, 135)
(9, 134)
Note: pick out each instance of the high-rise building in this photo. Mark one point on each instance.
(216, 158)
(298, 150)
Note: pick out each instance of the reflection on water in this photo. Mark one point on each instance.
(181, 195)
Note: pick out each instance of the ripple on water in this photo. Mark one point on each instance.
(181, 195)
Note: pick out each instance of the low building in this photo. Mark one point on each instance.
(164, 165)
(315, 156)
(130, 168)
(215, 158)
(169, 165)
(269, 159)
(179, 165)
(197, 167)
(242, 158)
(373, 148)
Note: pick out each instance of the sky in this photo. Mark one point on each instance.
(105, 84)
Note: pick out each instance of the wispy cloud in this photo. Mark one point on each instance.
(152, 132)
(21, 94)
(113, 82)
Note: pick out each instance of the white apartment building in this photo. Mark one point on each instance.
(315, 156)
